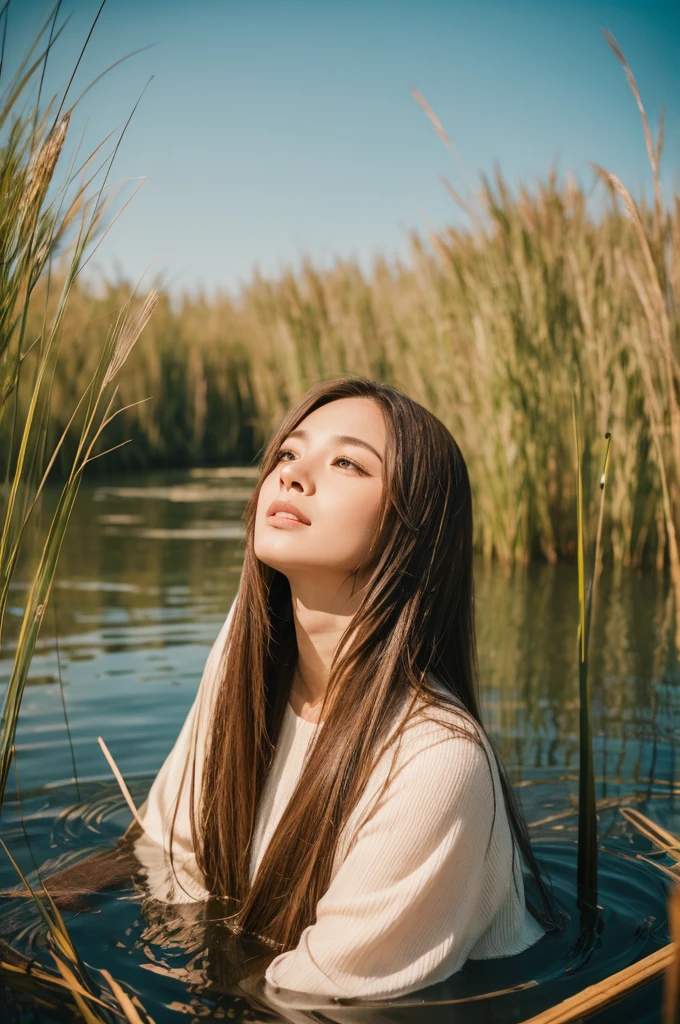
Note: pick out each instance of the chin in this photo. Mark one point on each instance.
(276, 559)
(281, 549)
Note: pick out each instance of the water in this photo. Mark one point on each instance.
(147, 574)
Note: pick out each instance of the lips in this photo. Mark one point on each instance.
(290, 510)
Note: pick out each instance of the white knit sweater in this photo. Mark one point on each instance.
(416, 887)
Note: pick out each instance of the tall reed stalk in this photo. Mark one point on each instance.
(587, 814)
(587, 860)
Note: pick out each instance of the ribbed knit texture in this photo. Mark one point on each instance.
(422, 877)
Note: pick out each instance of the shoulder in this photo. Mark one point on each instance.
(437, 717)
(441, 747)
(434, 782)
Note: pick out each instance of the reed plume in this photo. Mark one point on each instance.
(129, 335)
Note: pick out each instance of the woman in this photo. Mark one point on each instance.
(333, 779)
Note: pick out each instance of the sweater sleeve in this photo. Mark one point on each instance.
(172, 787)
(406, 904)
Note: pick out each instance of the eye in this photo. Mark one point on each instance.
(340, 458)
(350, 464)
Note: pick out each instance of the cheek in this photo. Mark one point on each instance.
(351, 521)
(268, 492)
(264, 499)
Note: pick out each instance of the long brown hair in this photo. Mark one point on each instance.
(416, 618)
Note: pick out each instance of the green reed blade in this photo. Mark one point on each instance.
(587, 884)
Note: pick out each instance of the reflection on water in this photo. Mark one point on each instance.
(147, 575)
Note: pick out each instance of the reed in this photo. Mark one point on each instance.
(664, 961)
(669, 844)
(76, 978)
(587, 804)
(600, 996)
(33, 228)
(656, 287)
(40, 214)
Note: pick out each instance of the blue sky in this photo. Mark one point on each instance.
(275, 129)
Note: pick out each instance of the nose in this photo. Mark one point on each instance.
(296, 475)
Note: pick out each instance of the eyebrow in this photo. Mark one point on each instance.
(340, 439)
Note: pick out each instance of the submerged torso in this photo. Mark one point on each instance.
(511, 928)
(424, 876)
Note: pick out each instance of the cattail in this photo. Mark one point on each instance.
(42, 166)
(129, 334)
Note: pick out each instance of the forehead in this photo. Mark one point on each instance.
(361, 417)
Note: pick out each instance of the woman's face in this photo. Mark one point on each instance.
(318, 508)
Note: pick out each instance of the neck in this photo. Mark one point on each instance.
(321, 614)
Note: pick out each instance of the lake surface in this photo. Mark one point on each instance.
(149, 568)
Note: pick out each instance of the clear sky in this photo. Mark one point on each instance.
(274, 129)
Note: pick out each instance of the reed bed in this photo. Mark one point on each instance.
(491, 326)
(490, 331)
